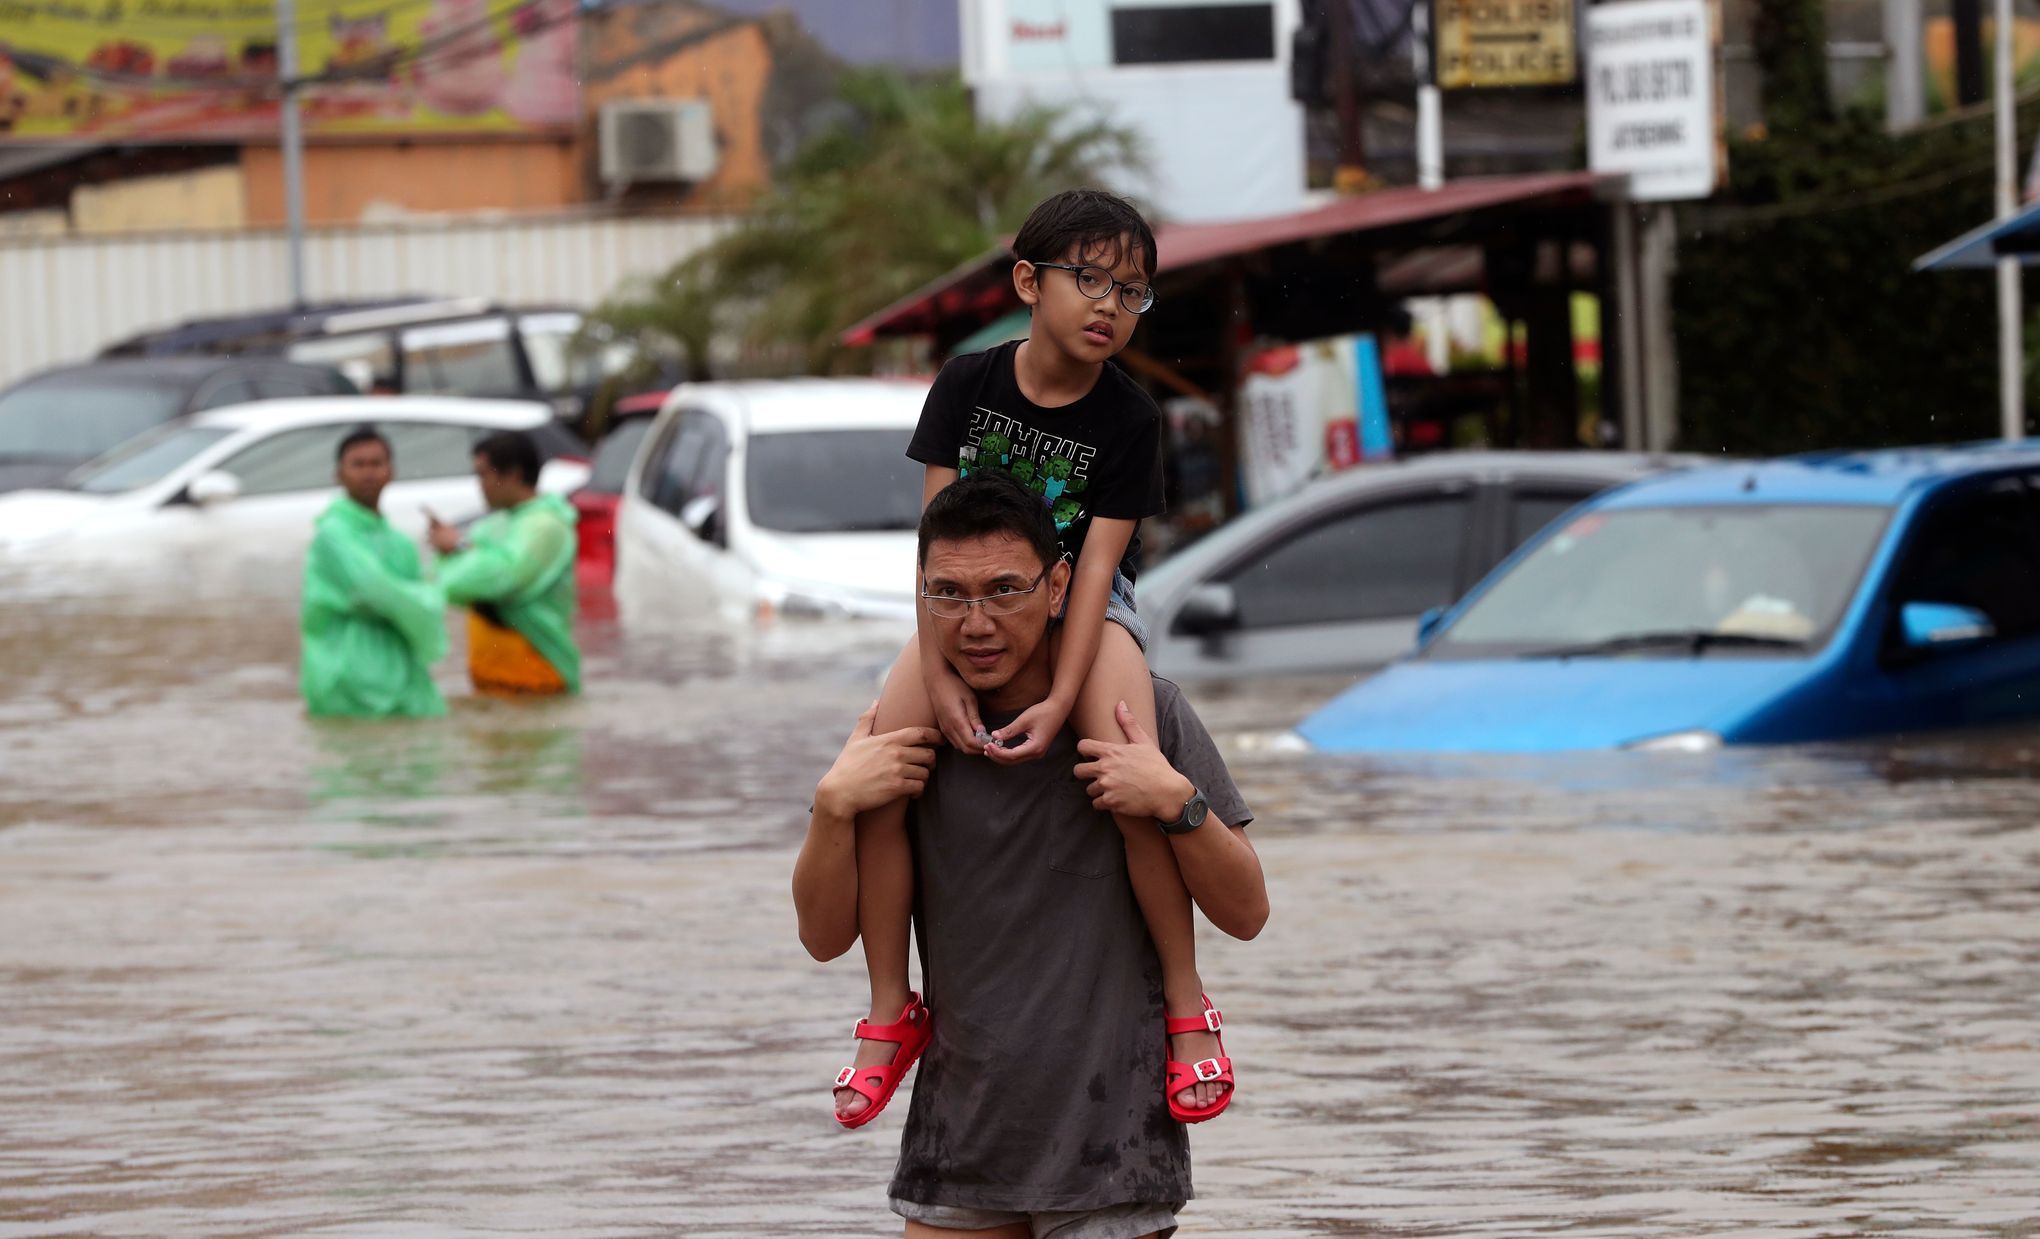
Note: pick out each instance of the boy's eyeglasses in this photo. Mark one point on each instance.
(1096, 282)
(945, 606)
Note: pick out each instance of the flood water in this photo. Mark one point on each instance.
(531, 969)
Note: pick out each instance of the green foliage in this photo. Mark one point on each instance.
(1800, 321)
(1791, 46)
(910, 185)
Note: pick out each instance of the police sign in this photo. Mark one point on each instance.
(1485, 43)
(1650, 97)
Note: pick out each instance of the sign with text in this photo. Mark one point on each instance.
(1651, 97)
(1489, 43)
(198, 70)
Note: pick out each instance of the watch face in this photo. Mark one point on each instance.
(1195, 811)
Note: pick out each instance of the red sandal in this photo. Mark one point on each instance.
(876, 1083)
(1183, 1077)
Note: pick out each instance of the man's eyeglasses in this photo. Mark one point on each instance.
(1005, 602)
(1096, 282)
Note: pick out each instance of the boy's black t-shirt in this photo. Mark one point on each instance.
(1100, 455)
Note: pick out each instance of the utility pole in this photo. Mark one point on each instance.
(1351, 175)
(293, 146)
(1430, 105)
(1968, 16)
(1905, 76)
(2011, 342)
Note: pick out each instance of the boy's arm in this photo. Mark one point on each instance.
(870, 772)
(1083, 631)
(1220, 868)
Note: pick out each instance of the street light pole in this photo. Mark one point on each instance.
(1430, 109)
(293, 147)
(2011, 342)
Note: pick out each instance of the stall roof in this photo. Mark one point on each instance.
(2016, 236)
(981, 288)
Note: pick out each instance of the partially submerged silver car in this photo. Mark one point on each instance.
(1335, 577)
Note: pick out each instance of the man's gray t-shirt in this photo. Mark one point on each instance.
(1042, 1087)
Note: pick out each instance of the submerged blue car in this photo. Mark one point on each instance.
(1812, 597)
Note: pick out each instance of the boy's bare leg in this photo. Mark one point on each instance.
(885, 878)
(1120, 673)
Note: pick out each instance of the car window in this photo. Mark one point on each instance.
(1382, 562)
(220, 395)
(1532, 510)
(469, 358)
(369, 361)
(282, 384)
(431, 449)
(66, 419)
(149, 458)
(291, 460)
(675, 474)
(613, 456)
(1979, 550)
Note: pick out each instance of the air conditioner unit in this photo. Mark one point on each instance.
(657, 140)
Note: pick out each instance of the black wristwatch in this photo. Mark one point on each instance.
(1195, 810)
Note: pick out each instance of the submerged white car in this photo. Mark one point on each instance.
(774, 498)
(246, 482)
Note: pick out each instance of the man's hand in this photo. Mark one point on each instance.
(1133, 779)
(1039, 723)
(873, 771)
(956, 709)
(444, 538)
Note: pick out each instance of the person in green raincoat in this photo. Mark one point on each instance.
(372, 625)
(515, 574)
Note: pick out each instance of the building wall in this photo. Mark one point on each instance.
(207, 198)
(86, 292)
(676, 52)
(367, 182)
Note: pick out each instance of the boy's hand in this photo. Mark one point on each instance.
(1133, 779)
(956, 711)
(872, 771)
(1039, 723)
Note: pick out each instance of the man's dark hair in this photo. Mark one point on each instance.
(358, 436)
(985, 505)
(511, 451)
(1100, 226)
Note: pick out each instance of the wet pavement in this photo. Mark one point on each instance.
(532, 969)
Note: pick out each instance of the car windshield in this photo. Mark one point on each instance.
(833, 481)
(150, 458)
(1676, 580)
(76, 418)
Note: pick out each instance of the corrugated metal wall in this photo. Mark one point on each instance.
(63, 300)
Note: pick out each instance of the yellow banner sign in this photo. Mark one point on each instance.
(1486, 43)
(185, 70)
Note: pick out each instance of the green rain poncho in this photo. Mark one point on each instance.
(521, 562)
(372, 625)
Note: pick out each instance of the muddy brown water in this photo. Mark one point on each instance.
(531, 970)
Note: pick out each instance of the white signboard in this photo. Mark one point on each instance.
(1650, 97)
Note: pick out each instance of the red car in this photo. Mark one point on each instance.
(596, 502)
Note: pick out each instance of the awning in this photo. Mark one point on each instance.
(2017, 237)
(982, 288)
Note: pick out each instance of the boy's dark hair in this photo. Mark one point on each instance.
(985, 505)
(1100, 226)
(511, 451)
(359, 435)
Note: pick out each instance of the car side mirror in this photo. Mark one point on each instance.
(1940, 625)
(703, 517)
(1429, 622)
(208, 489)
(1208, 610)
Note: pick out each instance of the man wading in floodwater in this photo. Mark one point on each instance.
(1039, 1109)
